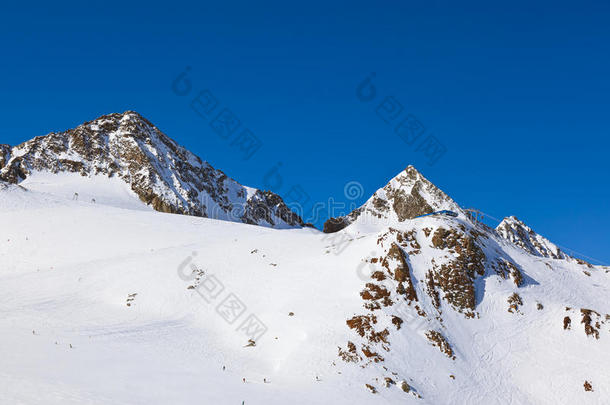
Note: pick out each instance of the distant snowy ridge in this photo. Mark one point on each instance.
(163, 174)
(523, 236)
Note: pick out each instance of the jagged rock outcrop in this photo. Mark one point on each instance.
(467, 261)
(5, 154)
(395, 262)
(523, 236)
(163, 174)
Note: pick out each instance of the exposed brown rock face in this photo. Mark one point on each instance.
(336, 224)
(333, 225)
(456, 278)
(364, 326)
(431, 290)
(514, 303)
(393, 284)
(397, 321)
(374, 292)
(591, 327)
(163, 174)
(350, 355)
(371, 388)
(506, 268)
(409, 206)
(438, 340)
(395, 262)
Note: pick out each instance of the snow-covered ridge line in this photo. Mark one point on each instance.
(519, 234)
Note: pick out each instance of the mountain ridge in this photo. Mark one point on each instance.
(162, 173)
(410, 194)
(389, 309)
(169, 178)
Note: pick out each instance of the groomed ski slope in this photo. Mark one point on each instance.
(67, 336)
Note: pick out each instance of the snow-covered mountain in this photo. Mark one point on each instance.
(108, 303)
(161, 173)
(523, 236)
(406, 196)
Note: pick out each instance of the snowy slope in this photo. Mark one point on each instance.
(427, 301)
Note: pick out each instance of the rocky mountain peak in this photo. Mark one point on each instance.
(162, 173)
(5, 154)
(406, 196)
(518, 233)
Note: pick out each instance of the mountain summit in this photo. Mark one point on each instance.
(162, 174)
(406, 196)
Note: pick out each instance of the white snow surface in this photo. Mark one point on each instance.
(95, 189)
(67, 335)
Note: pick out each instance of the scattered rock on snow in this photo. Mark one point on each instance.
(404, 386)
(588, 386)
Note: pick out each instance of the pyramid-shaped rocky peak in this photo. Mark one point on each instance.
(163, 174)
(406, 196)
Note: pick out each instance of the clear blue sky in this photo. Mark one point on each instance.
(517, 93)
